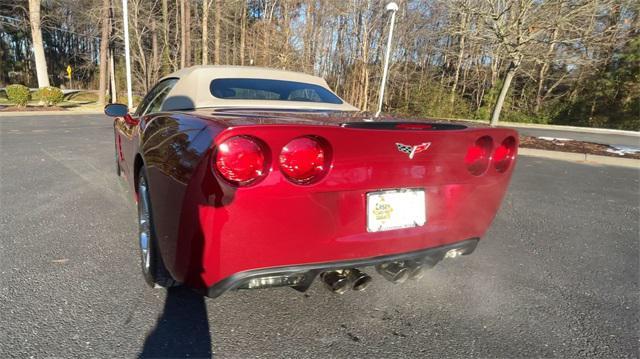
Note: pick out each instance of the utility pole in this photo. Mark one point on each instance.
(393, 7)
(127, 55)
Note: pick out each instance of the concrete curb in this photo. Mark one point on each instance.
(581, 157)
(570, 129)
(549, 127)
(48, 113)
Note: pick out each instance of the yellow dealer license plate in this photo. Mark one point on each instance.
(394, 209)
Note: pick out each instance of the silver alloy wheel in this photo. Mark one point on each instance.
(144, 225)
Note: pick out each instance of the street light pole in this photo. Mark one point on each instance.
(127, 55)
(393, 7)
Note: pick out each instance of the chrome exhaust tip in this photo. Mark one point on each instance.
(336, 281)
(454, 253)
(416, 269)
(359, 280)
(395, 272)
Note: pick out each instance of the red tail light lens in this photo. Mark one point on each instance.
(241, 160)
(504, 154)
(479, 155)
(304, 159)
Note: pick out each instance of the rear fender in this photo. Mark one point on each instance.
(172, 148)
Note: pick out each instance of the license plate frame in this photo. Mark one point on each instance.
(396, 209)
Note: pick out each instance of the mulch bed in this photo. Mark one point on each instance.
(30, 108)
(571, 146)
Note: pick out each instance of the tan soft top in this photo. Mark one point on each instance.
(192, 90)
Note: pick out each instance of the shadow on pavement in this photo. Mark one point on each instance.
(182, 330)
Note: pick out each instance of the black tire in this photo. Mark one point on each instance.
(153, 269)
(118, 171)
(117, 157)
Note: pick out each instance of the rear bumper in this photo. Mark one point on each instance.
(310, 271)
(274, 229)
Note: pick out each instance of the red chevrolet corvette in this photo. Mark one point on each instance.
(252, 178)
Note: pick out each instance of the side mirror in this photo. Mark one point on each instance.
(116, 110)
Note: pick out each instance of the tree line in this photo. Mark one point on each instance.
(551, 61)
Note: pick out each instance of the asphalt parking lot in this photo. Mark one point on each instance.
(556, 276)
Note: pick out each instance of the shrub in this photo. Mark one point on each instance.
(18, 94)
(50, 95)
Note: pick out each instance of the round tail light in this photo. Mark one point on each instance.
(504, 154)
(241, 160)
(304, 159)
(479, 155)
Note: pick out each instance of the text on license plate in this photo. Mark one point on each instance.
(393, 209)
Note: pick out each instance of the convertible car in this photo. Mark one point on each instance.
(250, 177)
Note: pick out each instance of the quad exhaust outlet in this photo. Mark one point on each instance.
(416, 269)
(394, 272)
(359, 280)
(399, 272)
(339, 281)
(336, 281)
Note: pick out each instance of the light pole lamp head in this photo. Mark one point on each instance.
(392, 6)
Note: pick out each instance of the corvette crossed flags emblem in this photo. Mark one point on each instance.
(413, 150)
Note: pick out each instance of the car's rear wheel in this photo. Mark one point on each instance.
(153, 269)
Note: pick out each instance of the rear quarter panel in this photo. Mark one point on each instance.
(171, 147)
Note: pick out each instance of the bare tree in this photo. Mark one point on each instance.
(511, 23)
(205, 31)
(462, 8)
(216, 33)
(183, 33)
(187, 33)
(38, 47)
(104, 47)
(166, 59)
(530, 31)
(243, 31)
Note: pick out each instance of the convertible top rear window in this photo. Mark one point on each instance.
(274, 90)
